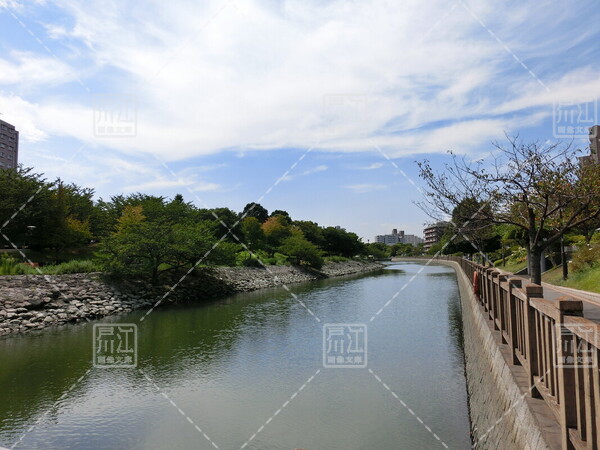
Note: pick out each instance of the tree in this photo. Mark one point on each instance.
(304, 251)
(255, 210)
(285, 214)
(342, 243)
(378, 250)
(543, 191)
(253, 233)
(25, 201)
(145, 248)
(312, 232)
(276, 230)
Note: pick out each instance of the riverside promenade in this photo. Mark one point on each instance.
(531, 357)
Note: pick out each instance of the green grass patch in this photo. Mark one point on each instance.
(586, 280)
(13, 266)
(512, 266)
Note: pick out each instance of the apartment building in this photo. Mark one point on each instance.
(9, 146)
(433, 233)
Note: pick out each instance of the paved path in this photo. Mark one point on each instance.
(591, 300)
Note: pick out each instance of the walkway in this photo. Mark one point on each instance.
(591, 300)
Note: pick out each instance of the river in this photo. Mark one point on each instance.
(248, 370)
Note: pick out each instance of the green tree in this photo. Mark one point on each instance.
(253, 234)
(297, 247)
(543, 190)
(149, 249)
(284, 214)
(342, 243)
(25, 201)
(312, 232)
(276, 230)
(255, 210)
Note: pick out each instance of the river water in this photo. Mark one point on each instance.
(248, 370)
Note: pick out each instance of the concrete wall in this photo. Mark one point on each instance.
(503, 414)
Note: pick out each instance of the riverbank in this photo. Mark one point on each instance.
(502, 412)
(33, 302)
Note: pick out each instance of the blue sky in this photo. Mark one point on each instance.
(222, 98)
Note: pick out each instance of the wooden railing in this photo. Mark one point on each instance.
(555, 344)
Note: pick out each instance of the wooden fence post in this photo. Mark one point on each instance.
(488, 292)
(566, 372)
(513, 283)
(495, 297)
(502, 310)
(532, 291)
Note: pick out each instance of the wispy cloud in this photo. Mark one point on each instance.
(316, 169)
(365, 187)
(227, 86)
(371, 166)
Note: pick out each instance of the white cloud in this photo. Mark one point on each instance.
(316, 169)
(365, 188)
(371, 166)
(26, 69)
(210, 76)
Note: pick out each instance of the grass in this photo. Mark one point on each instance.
(512, 266)
(335, 259)
(586, 280)
(12, 266)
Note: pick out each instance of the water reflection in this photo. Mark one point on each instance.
(231, 364)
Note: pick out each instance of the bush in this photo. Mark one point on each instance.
(303, 251)
(336, 258)
(518, 255)
(12, 266)
(75, 266)
(253, 262)
(586, 258)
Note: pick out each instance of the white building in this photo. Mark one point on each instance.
(398, 237)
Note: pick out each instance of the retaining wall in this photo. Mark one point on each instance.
(503, 414)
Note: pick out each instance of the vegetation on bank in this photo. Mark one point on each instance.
(585, 280)
(530, 196)
(10, 265)
(152, 237)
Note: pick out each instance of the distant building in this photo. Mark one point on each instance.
(594, 156)
(398, 237)
(412, 239)
(595, 143)
(433, 233)
(9, 146)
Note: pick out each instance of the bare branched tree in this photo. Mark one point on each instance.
(543, 190)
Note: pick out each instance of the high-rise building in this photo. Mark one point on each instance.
(9, 146)
(595, 143)
(433, 233)
(594, 156)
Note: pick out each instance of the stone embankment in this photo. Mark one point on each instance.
(31, 302)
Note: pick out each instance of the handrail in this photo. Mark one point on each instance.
(558, 348)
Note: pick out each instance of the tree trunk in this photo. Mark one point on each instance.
(534, 264)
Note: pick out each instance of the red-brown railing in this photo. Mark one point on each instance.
(555, 344)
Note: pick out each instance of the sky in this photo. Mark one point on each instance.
(320, 108)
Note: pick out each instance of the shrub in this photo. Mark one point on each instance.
(253, 262)
(585, 258)
(518, 255)
(11, 266)
(75, 266)
(336, 258)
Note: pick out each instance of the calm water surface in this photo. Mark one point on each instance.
(232, 364)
